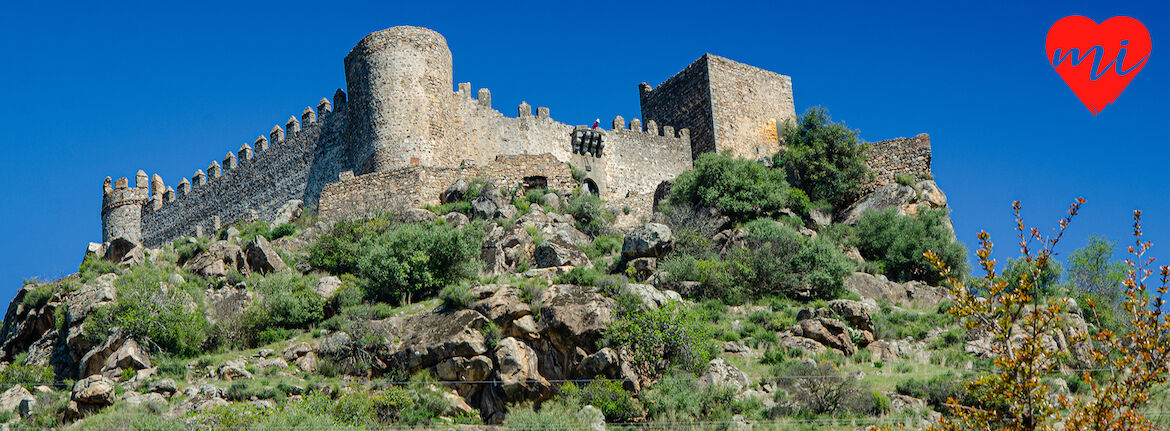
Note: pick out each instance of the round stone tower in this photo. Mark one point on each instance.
(398, 80)
(122, 208)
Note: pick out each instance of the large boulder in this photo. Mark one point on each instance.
(575, 315)
(907, 199)
(327, 286)
(118, 352)
(89, 395)
(418, 215)
(229, 303)
(650, 240)
(500, 303)
(234, 370)
(912, 293)
(518, 371)
(832, 333)
(455, 191)
(858, 314)
(262, 257)
(288, 212)
(555, 252)
(719, 372)
(219, 258)
(10, 400)
(125, 250)
(484, 207)
(426, 339)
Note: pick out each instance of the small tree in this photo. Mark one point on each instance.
(740, 189)
(1015, 396)
(825, 159)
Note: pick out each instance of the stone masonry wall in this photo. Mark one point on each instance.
(639, 160)
(683, 100)
(417, 186)
(747, 105)
(253, 188)
(901, 156)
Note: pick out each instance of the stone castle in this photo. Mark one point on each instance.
(401, 133)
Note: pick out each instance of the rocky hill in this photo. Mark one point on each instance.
(515, 308)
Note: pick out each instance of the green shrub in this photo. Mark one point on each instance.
(824, 158)
(775, 260)
(603, 245)
(900, 241)
(881, 403)
(249, 231)
(740, 189)
(615, 402)
(457, 296)
(581, 276)
(19, 374)
(38, 296)
(93, 266)
(822, 389)
(674, 334)
(125, 418)
(287, 229)
(554, 414)
(536, 196)
(936, 390)
(588, 212)
(396, 261)
(171, 318)
(904, 179)
(680, 399)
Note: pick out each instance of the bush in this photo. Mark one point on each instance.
(287, 229)
(900, 241)
(171, 319)
(672, 334)
(616, 403)
(249, 231)
(457, 296)
(936, 390)
(93, 266)
(581, 276)
(824, 158)
(775, 260)
(554, 414)
(18, 374)
(603, 245)
(822, 389)
(38, 296)
(740, 189)
(396, 261)
(680, 400)
(588, 212)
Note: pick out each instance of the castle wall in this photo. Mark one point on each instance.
(122, 207)
(727, 105)
(397, 79)
(638, 160)
(901, 156)
(747, 105)
(683, 100)
(253, 189)
(417, 186)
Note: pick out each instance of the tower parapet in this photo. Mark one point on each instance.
(122, 207)
(398, 80)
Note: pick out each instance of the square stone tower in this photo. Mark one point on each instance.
(727, 105)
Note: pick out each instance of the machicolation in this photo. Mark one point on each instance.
(401, 132)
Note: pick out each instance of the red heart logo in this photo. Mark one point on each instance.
(1097, 60)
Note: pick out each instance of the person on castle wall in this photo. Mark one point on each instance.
(596, 123)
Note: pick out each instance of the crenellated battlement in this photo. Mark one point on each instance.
(401, 122)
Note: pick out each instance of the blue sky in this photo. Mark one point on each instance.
(104, 90)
